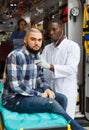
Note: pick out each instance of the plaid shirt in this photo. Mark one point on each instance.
(22, 75)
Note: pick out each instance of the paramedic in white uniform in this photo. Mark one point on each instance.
(62, 57)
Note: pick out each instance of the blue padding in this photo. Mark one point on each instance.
(15, 121)
(86, 37)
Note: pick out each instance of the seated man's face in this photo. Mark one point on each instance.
(34, 42)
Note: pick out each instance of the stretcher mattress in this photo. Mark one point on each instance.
(36, 121)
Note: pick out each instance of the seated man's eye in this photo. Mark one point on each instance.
(33, 39)
(39, 40)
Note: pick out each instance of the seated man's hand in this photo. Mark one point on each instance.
(42, 63)
(50, 93)
(44, 95)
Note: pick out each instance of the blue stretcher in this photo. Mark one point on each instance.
(36, 121)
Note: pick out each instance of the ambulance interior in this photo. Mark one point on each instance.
(37, 12)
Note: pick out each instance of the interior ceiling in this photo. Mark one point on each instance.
(31, 10)
(14, 8)
(46, 8)
(11, 11)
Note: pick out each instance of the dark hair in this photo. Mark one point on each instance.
(20, 20)
(55, 21)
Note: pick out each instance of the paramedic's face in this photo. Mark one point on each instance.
(34, 41)
(55, 31)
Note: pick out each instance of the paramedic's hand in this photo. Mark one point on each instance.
(50, 93)
(42, 63)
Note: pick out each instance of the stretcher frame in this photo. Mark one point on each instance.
(51, 128)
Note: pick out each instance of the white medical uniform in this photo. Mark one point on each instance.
(65, 59)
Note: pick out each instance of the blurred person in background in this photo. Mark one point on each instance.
(18, 35)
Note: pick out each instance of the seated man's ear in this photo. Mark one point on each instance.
(25, 40)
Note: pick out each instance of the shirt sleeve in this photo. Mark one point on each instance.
(13, 35)
(41, 81)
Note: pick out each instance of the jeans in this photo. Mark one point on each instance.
(26, 104)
